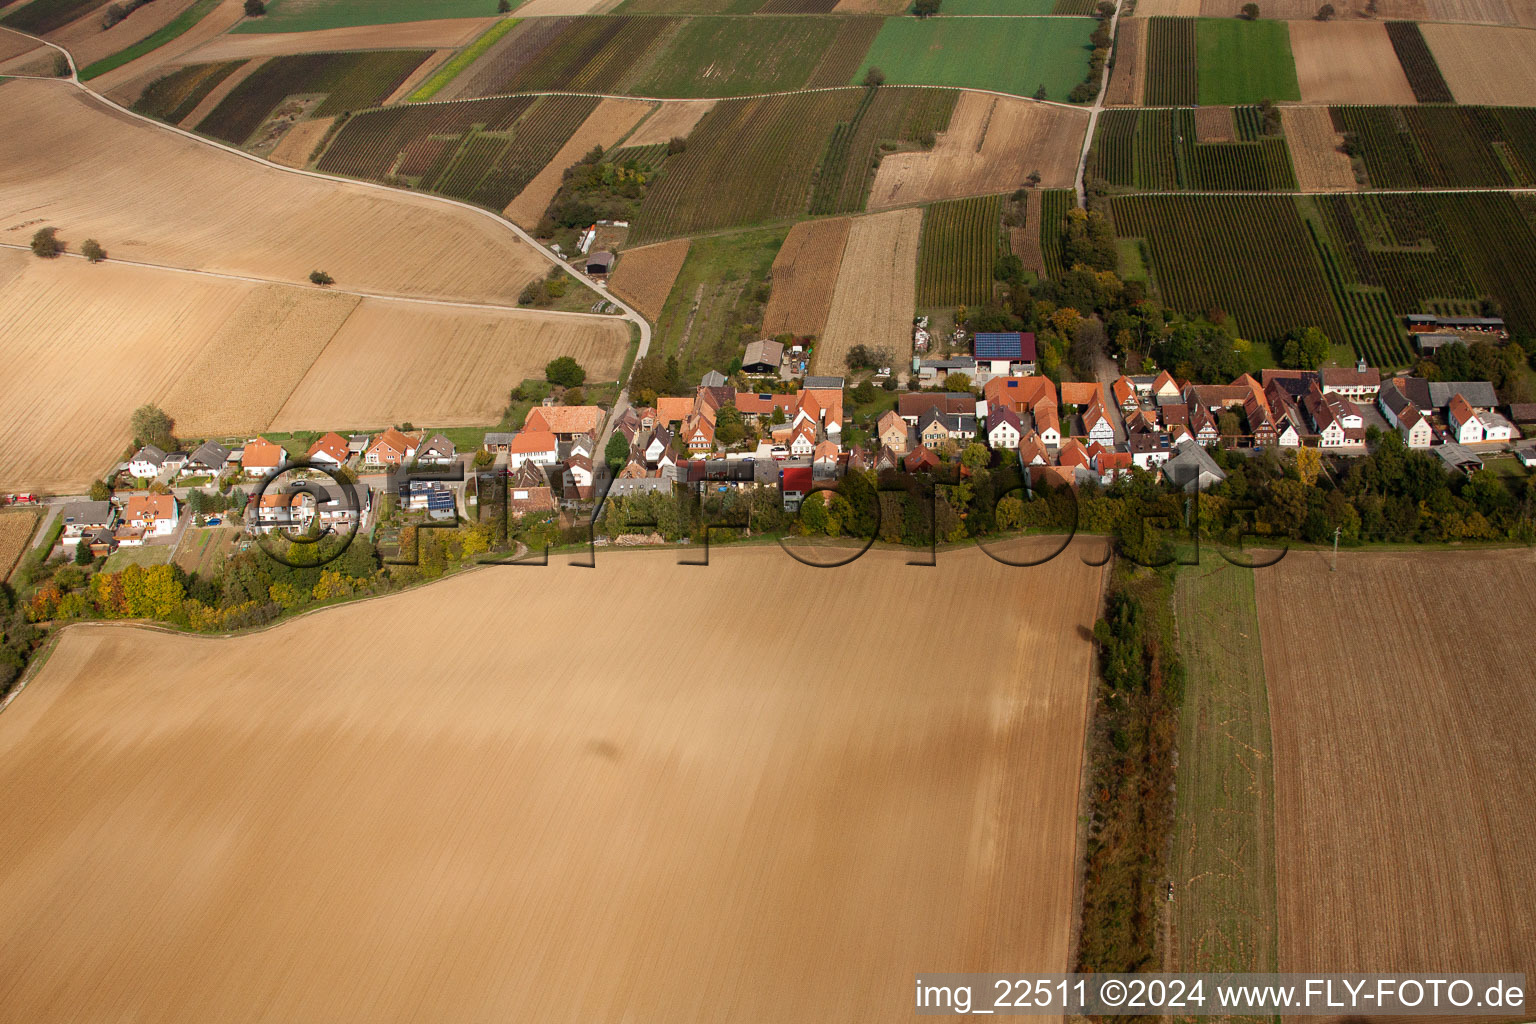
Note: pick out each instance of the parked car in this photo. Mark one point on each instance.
(779, 453)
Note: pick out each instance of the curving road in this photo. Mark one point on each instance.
(629, 313)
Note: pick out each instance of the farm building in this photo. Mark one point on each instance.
(1429, 323)
(762, 357)
(1004, 353)
(600, 263)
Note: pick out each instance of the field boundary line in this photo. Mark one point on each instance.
(630, 314)
(384, 296)
(1079, 183)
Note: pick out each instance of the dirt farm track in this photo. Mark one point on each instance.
(308, 824)
(1402, 707)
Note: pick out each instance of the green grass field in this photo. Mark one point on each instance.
(183, 21)
(1223, 864)
(1013, 55)
(309, 15)
(1014, 8)
(687, 7)
(716, 304)
(1244, 61)
(737, 57)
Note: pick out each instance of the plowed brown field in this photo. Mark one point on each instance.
(442, 33)
(1315, 149)
(804, 275)
(876, 294)
(247, 369)
(1347, 62)
(1215, 124)
(644, 276)
(1485, 64)
(14, 44)
(1402, 710)
(150, 195)
(1127, 82)
(298, 144)
(991, 145)
(394, 362)
(316, 825)
(83, 346)
(609, 123)
(674, 120)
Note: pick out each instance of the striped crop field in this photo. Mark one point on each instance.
(961, 242)
(1158, 150)
(480, 151)
(747, 162)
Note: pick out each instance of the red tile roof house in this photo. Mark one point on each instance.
(566, 421)
(154, 514)
(537, 446)
(391, 448)
(795, 483)
(331, 451)
(262, 457)
(528, 491)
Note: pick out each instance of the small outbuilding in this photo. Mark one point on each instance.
(600, 263)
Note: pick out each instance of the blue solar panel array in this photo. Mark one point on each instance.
(1000, 345)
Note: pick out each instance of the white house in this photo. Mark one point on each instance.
(155, 514)
(536, 446)
(146, 462)
(1004, 429)
(1098, 426)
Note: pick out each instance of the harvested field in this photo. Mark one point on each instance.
(1483, 64)
(992, 145)
(644, 276)
(552, 836)
(394, 362)
(804, 275)
(254, 361)
(119, 335)
(1168, 8)
(87, 43)
(14, 44)
(606, 125)
(1347, 62)
(445, 33)
(125, 83)
(876, 294)
(563, 8)
(16, 526)
(34, 63)
(1215, 124)
(672, 120)
(1404, 835)
(181, 203)
(1316, 149)
(296, 147)
(1127, 81)
(871, 7)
